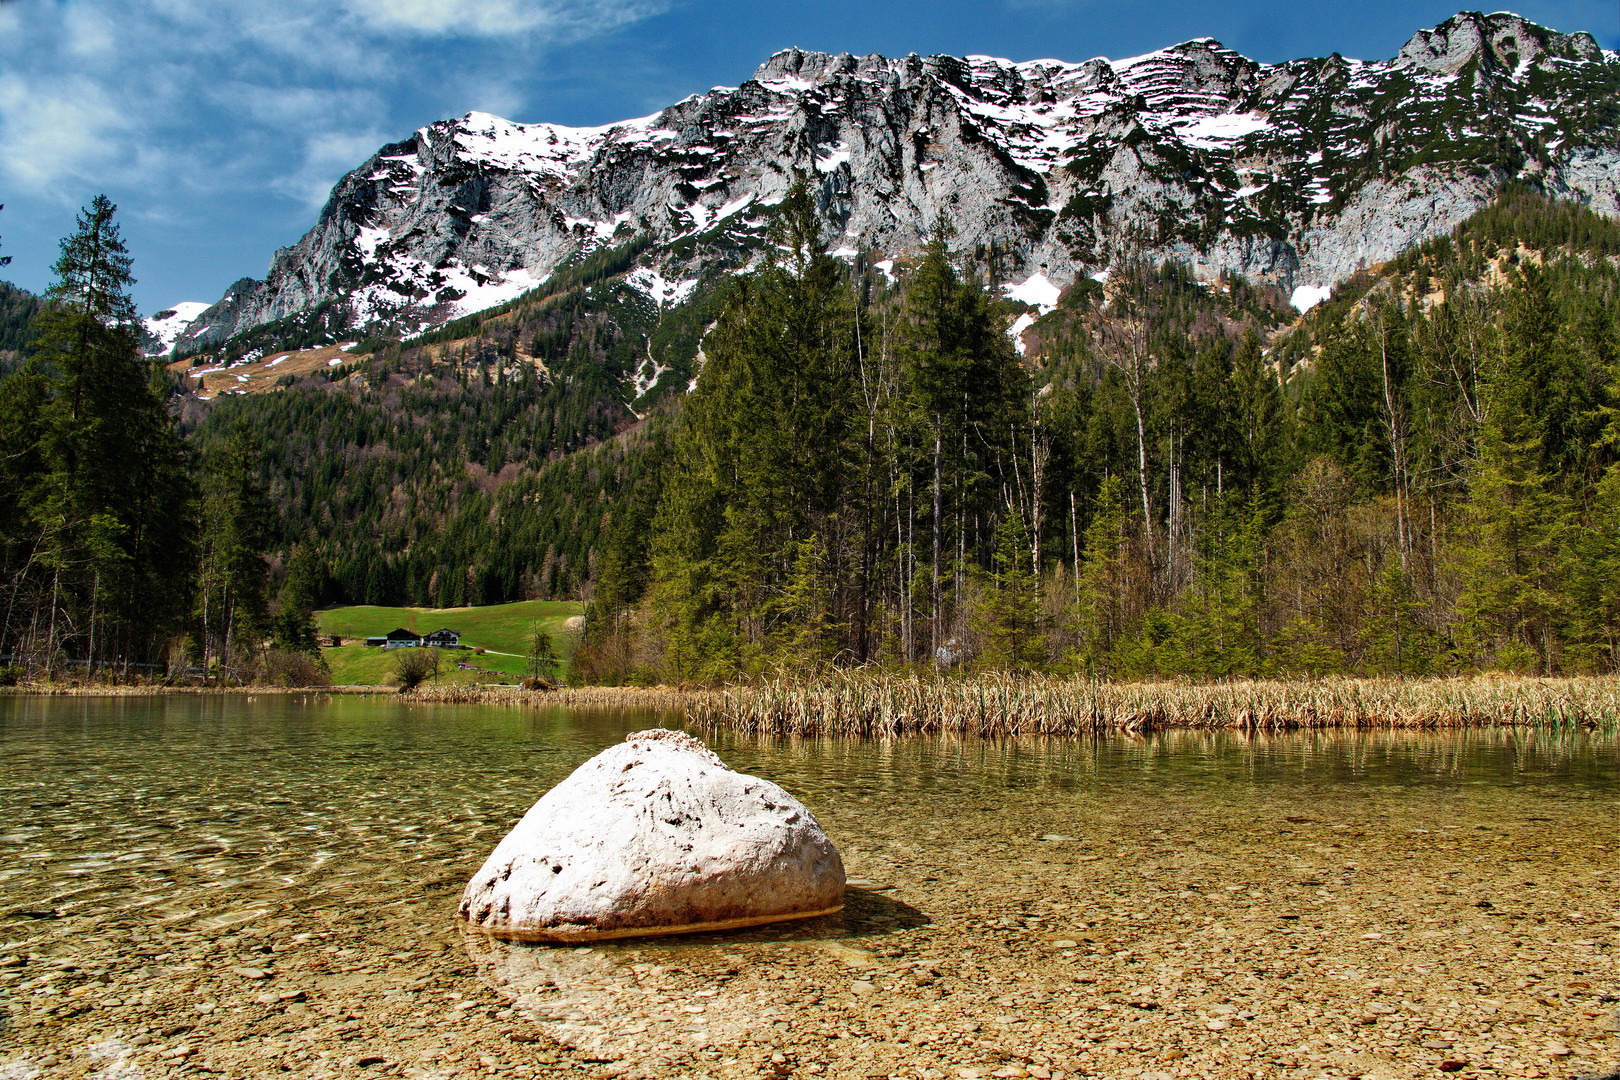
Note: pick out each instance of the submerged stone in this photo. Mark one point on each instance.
(655, 836)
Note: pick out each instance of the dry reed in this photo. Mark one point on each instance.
(656, 698)
(866, 704)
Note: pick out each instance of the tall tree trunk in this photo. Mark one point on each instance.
(50, 636)
(1397, 445)
(939, 525)
(90, 657)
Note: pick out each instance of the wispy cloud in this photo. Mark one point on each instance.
(491, 18)
(170, 95)
(326, 155)
(58, 130)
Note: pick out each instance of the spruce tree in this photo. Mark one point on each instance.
(542, 656)
(1008, 619)
(293, 625)
(1513, 549)
(765, 456)
(232, 607)
(99, 481)
(1102, 578)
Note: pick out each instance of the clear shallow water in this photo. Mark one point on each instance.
(152, 849)
(209, 811)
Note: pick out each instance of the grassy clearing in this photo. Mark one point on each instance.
(501, 629)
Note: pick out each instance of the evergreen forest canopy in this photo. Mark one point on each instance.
(1420, 480)
(117, 558)
(1420, 477)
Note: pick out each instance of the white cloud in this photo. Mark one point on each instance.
(88, 32)
(49, 135)
(489, 18)
(174, 95)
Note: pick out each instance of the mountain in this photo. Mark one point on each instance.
(163, 329)
(1293, 174)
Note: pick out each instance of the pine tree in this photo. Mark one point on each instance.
(542, 656)
(232, 603)
(293, 626)
(1008, 620)
(1513, 550)
(99, 479)
(1102, 579)
(1222, 636)
(810, 632)
(1394, 640)
(764, 459)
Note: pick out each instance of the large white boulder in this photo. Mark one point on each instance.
(655, 836)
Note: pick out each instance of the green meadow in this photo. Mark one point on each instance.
(502, 630)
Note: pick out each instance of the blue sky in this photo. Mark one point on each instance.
(218, 126)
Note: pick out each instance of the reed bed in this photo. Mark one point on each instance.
(875, 704)
(865, 703)
(658, 698)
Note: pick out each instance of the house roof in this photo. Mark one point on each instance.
(402, 633)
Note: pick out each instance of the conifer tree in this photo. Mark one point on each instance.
(100, 560)
(542, 657)
(232, 599)
(1102, 578)
(1009, 617)
(1513, 549)
(764, 457)
(293, 626)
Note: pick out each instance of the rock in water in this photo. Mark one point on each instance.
(655, 836)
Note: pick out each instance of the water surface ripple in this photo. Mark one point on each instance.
(150, 846)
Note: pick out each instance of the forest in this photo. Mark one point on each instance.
(126, 553)
(1420, 479)
(1183, 478)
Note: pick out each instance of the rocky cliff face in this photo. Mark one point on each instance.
(1296, 173)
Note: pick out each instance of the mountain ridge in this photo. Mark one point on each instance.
(1296, 173)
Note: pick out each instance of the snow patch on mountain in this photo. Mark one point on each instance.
(1037, 290)
(1016, 330)
(1308, 296)
(1288, 172)
(664, 292)
(543, 149)
(1214, 132)
(167, 325)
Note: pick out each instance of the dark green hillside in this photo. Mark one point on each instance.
(1247, 491)
(451, 471)
(17, 310)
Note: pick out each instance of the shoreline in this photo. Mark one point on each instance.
(865, 705)
(138, 690)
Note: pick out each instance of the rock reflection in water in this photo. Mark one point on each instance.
(596, 1000)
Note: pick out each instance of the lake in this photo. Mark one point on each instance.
(252, 885)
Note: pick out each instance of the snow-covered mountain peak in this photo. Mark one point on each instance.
(1502, 41)
(1293, 173)
(539, 149)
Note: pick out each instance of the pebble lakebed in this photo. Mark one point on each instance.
(1020, 909)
